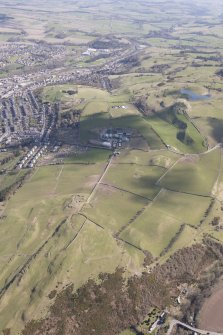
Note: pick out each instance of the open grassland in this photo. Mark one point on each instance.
(152, 231)
(139, 180)
(37, 216)
(68, 256)
(210, 108)
(84, 240)
(67, 246)
(95, 107)
(208, 117)
(122, 112)
(74, 95)
(158, 158)
(194, 174)
(80, 249)
(187, 208)
(153, 199)
(134, 83)
(155, 228)
(91, 156)
(168, 133)
(211, 128)
(112, 209)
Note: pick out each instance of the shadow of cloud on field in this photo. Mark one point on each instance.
(148, 186)
(217, 129)
(183, 182)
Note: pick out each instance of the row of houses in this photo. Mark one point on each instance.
(31, 158)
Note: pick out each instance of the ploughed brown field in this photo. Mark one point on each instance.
(211, 315)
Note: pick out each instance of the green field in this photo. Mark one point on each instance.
(59, 191)
(158, 158)
(139, 180)
(91, 156)
(83, 211)
(168, 133)
(38, 215)
(127, 332)
(59, 261)
(113, 209)
(81, 94)
(154, 229)
(185, 207)
(194, 174)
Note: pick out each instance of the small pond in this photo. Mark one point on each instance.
(194, 96)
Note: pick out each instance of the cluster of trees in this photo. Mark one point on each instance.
(179, 109)
(10, 157)
(141, 104)
(6, 160)
(215, 221)
(110, 43)
(220, 73)
(70, 92)
(7, 191)
(185, 138)
(108, 308)
(131, 60)
(68, 119)
(179, 123)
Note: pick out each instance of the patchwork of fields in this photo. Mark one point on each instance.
(91, 206)
(135, 209)
(95, 211)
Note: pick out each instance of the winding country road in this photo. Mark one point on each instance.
(175, 322)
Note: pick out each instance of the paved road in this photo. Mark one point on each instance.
(174, 323)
